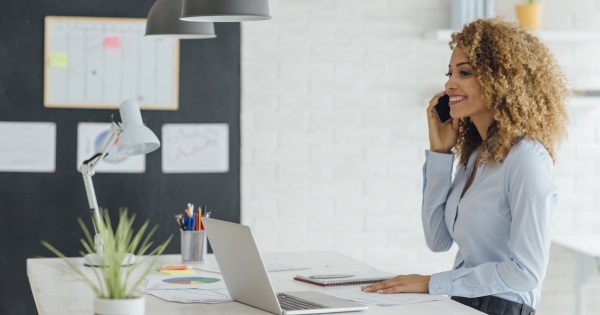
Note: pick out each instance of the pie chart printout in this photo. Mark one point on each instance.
(191, 280)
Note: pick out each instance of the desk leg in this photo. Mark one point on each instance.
(587, 266)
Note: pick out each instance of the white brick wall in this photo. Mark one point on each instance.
(333, 130)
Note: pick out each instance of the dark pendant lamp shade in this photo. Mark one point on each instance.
(163, 20)
(225, 10)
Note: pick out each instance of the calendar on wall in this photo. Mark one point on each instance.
(92, 62)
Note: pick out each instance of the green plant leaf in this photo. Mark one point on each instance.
(112, 278)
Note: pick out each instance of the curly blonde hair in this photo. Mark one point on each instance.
(520, 80)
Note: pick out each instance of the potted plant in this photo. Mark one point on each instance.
(114, 284)
(529, 14)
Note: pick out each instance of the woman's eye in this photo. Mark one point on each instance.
(448, 74)
(464, 73)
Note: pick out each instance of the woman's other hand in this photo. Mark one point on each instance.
(401, 284)
(442, 136)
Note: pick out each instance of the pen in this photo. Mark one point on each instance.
(337, 276)
(185, 223)
(179, 222)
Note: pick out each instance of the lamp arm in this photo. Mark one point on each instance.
(87, 170)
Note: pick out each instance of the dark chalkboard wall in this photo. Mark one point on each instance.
(36, 206)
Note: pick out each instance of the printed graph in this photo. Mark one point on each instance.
(195, 148)
(27, 146)
(89, 136)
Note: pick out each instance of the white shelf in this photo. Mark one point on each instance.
(572, 36)
(583, 102)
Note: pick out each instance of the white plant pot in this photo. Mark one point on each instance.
(135, 306)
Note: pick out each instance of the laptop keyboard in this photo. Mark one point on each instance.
(291, 303)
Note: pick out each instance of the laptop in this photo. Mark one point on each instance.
(247, 280)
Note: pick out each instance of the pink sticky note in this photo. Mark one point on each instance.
(112, 41)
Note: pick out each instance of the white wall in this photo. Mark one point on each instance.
(334, 132)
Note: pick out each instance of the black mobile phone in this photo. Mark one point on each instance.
(442, 109)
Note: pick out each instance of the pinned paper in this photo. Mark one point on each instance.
(112, 41)
(59, 60)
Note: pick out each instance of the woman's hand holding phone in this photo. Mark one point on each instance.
(442, 135)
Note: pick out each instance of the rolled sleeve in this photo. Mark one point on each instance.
(441, 283)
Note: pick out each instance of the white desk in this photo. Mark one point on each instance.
(56, 295)
(586, 248)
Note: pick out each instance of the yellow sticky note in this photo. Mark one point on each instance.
(59, 60)
(177, 272)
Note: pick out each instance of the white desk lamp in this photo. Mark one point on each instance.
(135, 138)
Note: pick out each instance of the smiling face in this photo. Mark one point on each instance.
(464, 91)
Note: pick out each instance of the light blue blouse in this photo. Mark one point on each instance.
(501, 225)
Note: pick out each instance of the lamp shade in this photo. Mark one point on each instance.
(163, 20)
(225, 10)
(135, 138)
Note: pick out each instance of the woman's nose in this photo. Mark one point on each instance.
(450, 84)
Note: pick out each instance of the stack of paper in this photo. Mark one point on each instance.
(188, 289)
(190, 295)
(356, 294)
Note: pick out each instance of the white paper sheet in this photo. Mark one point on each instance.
(191, 295)
(356, 294)
(272, 266)
(195, 148)
(89, 136)
(197, 282)
(27, 147)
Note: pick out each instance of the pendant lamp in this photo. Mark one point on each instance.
(163, 20)
(225, 10)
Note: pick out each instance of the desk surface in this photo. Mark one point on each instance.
(54, 294)
(586, 243)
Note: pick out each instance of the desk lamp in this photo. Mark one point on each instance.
(134, 138)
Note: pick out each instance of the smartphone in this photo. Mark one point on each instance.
(442, 109)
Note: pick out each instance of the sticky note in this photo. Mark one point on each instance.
(112, 41)
(59, 60)
(177, 272)
(177, 267)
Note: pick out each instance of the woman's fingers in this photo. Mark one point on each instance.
(433, 101)
(400, 284)
(376, 287)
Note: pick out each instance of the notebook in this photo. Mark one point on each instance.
(248, 282)
(350, 278)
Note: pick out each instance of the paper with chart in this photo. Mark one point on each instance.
(195, 148)
(89, 137)
(27, 147)
(100, 62)
(185, 282)
(188, 289)
(211, 296)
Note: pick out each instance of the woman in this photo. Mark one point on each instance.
(507, 103)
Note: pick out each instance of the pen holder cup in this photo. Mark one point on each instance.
(193, 247)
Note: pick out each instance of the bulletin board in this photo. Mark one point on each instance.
(92, 62)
